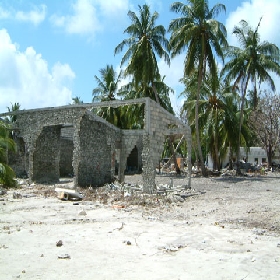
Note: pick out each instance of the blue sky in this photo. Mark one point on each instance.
(50, 50)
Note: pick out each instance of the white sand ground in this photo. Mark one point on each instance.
(229, 231)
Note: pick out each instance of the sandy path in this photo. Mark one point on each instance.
(230, 231)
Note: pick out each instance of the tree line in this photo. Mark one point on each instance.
(219, 101)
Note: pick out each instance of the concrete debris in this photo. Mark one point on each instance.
(59, 243)
(162, 187)
(126, 194)
(136, 189)
(229, 173)
(2, 191)
(17, 195)
(259, 231)
(114, 187)
(172, 248)
(83, 213)
(28, 195)
(64, 256)
(21, 182)
(178, 199)
(67, 194)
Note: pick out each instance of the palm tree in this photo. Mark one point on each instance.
(253, 62)
(230, 124)
(218, 117)
(210, 112)
(7, 175)
(107, 84)
(198, 31)
(14, 107)
(132, 116)
(164, 92)
(77, 100)
(145, 42)
(106, 91)
(130, 92)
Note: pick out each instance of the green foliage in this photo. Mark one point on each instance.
(14, 107)
(130, 92)
(216, 113)
(77, 100)
(197, 31)
(218, 117)
(7, 175)
(146, 41)
(107, 84)
(252, 62)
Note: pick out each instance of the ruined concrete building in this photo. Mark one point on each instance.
(54, 142)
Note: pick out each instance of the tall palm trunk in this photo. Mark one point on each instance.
(238, 171)
(156, 93)
(230, 157)
(197, 131)
(269, 155)
(216, 144)
(217, 162)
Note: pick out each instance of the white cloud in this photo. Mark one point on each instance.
(34, 16)
(25, 78)
(91, 16)
(173, 73)
(113, 8)
(4, 14)
(84, 19)
(252, 11)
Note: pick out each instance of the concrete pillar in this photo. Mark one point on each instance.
(95, 153)
(122, 163)
(188, 136)
(76, 151)
(148, 172)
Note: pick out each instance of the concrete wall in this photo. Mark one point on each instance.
(66, 157)
(66, 151)
(46, 155)
(159, 124)
(97, 145)
(96, 163)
